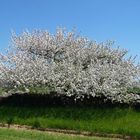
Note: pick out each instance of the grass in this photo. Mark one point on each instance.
(135, 90)
(34, 89)
(2, 90)
(125, 121)
(12, 134)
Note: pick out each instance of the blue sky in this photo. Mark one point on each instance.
(99, 20)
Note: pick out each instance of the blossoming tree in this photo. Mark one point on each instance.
(71, 64)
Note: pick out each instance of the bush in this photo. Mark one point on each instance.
(70, 65)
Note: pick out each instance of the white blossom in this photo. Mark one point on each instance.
(71, 64)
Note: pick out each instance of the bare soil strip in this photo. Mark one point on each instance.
(69, 132)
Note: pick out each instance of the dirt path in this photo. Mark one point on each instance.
(68, 132)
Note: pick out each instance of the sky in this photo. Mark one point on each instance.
(99, 20)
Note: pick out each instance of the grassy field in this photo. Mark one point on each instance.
(125, 121)
(12, 134)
